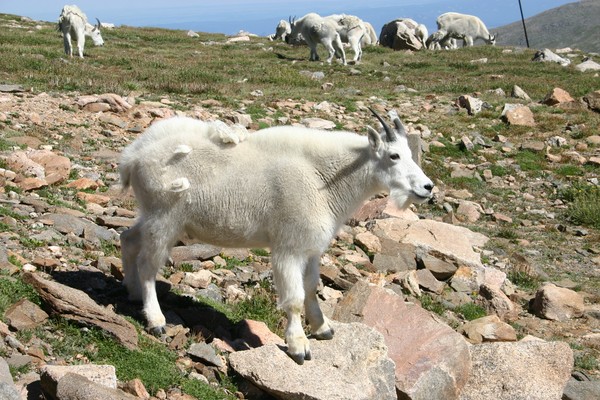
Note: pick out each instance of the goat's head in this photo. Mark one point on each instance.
(293, 36)
(492, 39)
(396, 169)
(96, 35)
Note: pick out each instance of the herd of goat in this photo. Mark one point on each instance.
(332, 32)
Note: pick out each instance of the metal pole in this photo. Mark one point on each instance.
(524, 27)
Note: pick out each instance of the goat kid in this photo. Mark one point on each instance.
(286, 188)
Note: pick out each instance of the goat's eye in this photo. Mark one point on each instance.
(395, 156)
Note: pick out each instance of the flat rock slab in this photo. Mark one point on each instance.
(533, 370)
(77, 306)
(352, 366)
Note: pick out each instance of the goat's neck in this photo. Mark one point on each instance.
(349, 182)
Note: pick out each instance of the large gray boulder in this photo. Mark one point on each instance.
(432, 360)
(354, 365)
(399, 34)
(532, 370)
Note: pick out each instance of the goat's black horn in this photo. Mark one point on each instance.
(391, 135)
(99, 24)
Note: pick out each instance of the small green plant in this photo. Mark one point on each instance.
(30, 243)
(260, 306)
(260, 252)
(186, 267)
(12, 290)
(507, 233)
(471, 311)
(530, 161)
(586, 361)
(109, 248)
(585, 204)
(524, 280)
(428, 303)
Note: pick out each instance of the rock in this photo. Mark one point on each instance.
(593, 100)
(581, 390)
(76, 387)
(353, 365)
(77, 306)
(532, 370)
(519, 93)
(368, 242)
(518, 115)
(441, 269)
(428, 282)
(557, 96)
(199, 279)
(432, 362)
(192, 34)
(588, 65)
(25, 315)
(472, 104)
(399, 34)
(394, 256)
(495, 301)
(469, 211)
(317, 123)
(255, 334)
(50, 375)
(136, 387)
(430, 236)
(488, 329)
(205, 353)
(546, 55)
(8, 390)
(559, 304)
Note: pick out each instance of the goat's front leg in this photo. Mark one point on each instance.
(288, 271)
(319, 325)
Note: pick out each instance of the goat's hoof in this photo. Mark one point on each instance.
(157, 331)
(301, 357)
(326, 335)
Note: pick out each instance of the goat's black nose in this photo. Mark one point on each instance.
(429, 186)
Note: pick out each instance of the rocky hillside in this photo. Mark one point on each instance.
(490, 290)
(573, 25)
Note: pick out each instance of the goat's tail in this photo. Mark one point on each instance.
(125, 171)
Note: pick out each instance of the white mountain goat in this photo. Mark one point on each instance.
(315, 29)
(422, 34)
(286, 188)
(351, 30)
(73, 22)
(282, 30)
(469, 28)
(370, 37)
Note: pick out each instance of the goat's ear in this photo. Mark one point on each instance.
(374, 139)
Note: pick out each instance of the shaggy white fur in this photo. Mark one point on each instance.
(286, 188)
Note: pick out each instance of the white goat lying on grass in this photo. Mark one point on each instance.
(73, 22)
(287, 188)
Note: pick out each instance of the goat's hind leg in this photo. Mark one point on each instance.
(130, 248)
(319, 325)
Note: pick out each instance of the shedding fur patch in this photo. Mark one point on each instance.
(182, 149)
(179, 185)
(229, 134)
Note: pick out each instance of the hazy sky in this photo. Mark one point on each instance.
(261, 17)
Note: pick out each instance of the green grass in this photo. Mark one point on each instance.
(471, 311)
(152, 363)
(430, 304)
(12, 290)
(524, 280)
(584, 204)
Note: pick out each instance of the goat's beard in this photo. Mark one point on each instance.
(401, 199)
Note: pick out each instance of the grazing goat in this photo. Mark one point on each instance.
(351, 30)
(315, 29)
(469, 28)
(286, 188)
(281, 30)
(370, 37)
(73, 22)
(422, 34)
